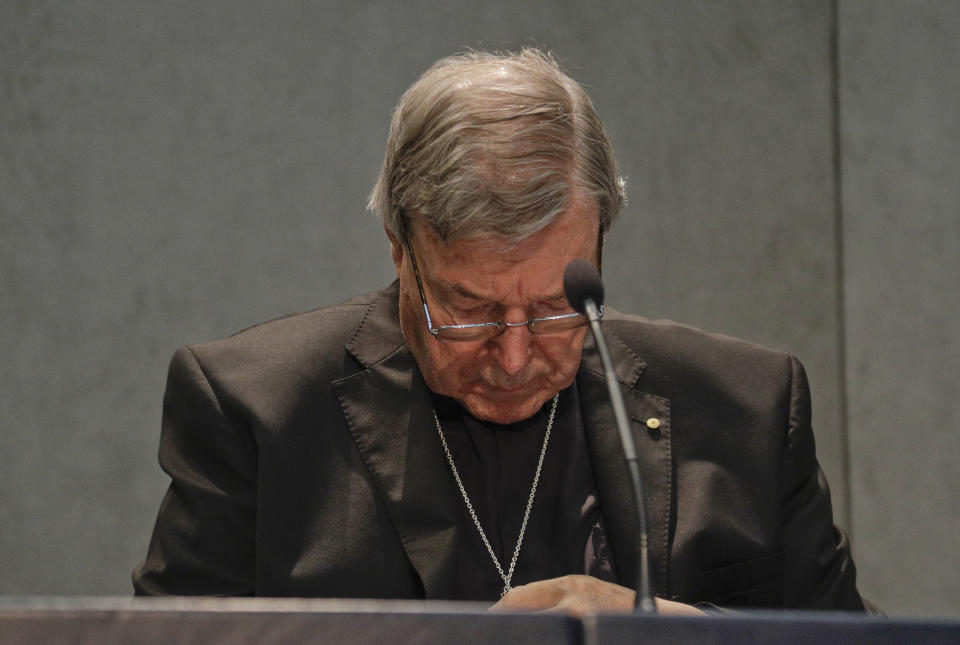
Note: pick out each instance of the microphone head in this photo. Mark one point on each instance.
(581, 282)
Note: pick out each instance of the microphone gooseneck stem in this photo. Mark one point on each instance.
(644, 597)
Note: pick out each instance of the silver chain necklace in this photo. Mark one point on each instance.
(526, 514)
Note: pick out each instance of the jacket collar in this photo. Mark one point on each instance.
(387, 407)
(378, 335)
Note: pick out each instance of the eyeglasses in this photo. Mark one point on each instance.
(473, 332)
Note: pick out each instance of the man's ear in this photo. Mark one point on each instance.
(396, 250)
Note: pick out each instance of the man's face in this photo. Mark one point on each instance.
(507, 378)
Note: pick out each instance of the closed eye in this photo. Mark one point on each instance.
(475, 311)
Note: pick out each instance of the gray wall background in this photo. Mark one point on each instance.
(171, 172)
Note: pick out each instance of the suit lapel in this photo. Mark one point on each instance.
(610, 469)
(387, 408)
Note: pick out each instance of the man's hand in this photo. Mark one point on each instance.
(579, 596)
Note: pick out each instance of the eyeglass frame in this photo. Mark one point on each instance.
(500, 325)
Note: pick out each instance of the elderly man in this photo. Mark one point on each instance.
(450, 436)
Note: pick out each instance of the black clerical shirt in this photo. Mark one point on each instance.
(565, 533)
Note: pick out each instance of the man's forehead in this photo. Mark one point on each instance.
(573, 224)
(481, 241)
(485, 253)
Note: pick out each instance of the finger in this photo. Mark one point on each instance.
(536, 596)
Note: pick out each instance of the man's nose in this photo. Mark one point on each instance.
(514, 348)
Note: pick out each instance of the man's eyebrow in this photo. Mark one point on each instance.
(464, 292)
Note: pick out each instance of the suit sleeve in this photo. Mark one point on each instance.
(203, 540)
(818, 568)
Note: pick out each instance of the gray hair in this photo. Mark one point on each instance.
(495, 144)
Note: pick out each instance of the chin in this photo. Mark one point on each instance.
(504, 411)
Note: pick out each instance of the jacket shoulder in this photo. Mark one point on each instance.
(646, 334)
(675, 353)
(297, 352)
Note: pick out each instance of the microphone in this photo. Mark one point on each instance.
(584, 290)
(582, 285)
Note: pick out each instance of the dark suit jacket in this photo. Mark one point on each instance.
(304, 462)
